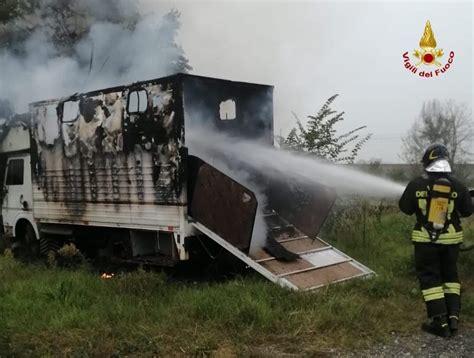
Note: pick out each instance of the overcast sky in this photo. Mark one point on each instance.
(312, 50)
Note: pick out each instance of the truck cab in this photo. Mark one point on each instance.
(16, 191)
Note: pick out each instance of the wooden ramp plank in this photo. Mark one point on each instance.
(324, 275)
(324, 258)
(279, 267)
(303, 245)
(299, 246)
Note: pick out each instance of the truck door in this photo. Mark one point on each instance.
(17, 189)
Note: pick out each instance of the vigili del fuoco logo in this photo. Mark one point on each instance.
(427, 56)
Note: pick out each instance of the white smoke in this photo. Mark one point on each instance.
(206, 143)
(119, 56)
(281, 163)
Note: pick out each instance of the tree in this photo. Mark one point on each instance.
(8, 10)
(64, 22)
(320, 137)
(170, 27)
(446, 122)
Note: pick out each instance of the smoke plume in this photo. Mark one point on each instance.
(109, 54)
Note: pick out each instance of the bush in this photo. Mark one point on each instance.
(67, 256)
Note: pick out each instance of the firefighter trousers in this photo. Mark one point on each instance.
(436, 268)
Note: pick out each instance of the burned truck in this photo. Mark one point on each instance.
(110, 169)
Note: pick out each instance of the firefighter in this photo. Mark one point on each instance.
(438, 200)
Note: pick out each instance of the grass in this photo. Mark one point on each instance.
(52, 311)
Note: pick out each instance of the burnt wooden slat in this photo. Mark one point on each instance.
(303, 245)
(278, 267)
(299, 246)
(324, 275)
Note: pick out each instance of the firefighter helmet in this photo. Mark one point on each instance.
(436, 158)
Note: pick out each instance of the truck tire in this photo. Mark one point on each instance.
(26, 245)
(3, 244)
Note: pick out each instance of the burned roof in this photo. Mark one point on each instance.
(179, 77)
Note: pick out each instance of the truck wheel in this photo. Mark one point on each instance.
(25, 244)
(48, 244)
(3, 244)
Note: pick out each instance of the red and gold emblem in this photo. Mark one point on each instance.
(428, 52)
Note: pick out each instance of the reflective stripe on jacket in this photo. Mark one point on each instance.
(448, 238)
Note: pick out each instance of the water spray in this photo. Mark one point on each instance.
(288, 164)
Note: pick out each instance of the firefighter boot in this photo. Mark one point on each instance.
(438, 326)
(453, 324)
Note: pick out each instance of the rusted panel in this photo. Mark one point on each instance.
(220, 203)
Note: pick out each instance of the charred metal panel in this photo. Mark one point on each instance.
(237, 108)
(304, 205)
(100, 150)
(220, 203)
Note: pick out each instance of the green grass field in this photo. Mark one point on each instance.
(51, 311)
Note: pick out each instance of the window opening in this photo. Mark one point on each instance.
(227, 110)
(70, 111)
(15, 172)
(137, 102)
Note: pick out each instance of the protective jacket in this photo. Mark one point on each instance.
(416, 200)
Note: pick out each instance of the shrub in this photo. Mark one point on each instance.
(67, 256)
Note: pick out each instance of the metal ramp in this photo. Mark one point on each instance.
(319, 264)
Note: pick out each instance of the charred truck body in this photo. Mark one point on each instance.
(110, 168)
